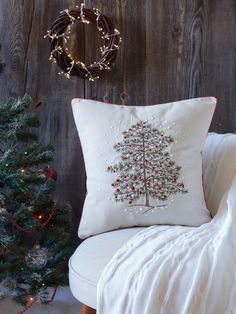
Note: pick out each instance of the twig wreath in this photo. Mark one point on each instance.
(60, 33)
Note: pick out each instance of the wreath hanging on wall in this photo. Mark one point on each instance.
(60, 33)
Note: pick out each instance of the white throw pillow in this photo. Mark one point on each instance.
(143, 163)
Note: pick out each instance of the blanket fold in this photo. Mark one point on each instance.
(175, 269)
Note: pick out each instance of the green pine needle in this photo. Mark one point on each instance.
(26, 192)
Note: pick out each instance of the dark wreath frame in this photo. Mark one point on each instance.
(57, 35)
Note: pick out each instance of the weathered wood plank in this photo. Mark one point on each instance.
(220, 76)
(197, 29)
(175, 45)
(15, 29)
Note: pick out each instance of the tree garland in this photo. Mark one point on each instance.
(59, 35)
(25, 230)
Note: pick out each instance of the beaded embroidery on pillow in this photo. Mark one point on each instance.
(143, 163)
(145, 169)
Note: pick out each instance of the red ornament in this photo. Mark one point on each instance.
(50, 173)
(117, 190)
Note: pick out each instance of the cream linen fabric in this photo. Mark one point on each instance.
(219, 164)
(89, 260)
(101, 126)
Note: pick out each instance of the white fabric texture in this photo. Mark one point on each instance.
(89, 260)
(181, 270)
(143, 163)
(219, 163)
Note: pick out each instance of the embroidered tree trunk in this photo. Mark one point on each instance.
(146, 169)
(144, 174)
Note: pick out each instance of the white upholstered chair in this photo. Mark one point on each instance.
(90, 258)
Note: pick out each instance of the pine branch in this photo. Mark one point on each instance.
(26, 192)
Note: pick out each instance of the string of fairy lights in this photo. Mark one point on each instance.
(60, 34)
(49, 174)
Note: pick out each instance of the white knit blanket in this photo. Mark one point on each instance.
(175, 270)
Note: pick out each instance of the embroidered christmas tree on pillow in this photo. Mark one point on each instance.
(143, 163)
(145, 169)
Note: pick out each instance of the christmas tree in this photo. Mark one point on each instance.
(146, 169)
(35, 241)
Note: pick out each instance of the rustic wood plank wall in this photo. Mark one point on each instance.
(171, 50)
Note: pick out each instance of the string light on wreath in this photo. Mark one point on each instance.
(59, 34)
(72, 19)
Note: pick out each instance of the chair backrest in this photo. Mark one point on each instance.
(219, 167)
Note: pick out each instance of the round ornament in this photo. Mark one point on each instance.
(37, 277)
(36, 258)
(50, 173)
(60, 33)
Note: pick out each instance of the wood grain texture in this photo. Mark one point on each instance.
(171, 50)
(88, 310)
(220, 74)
